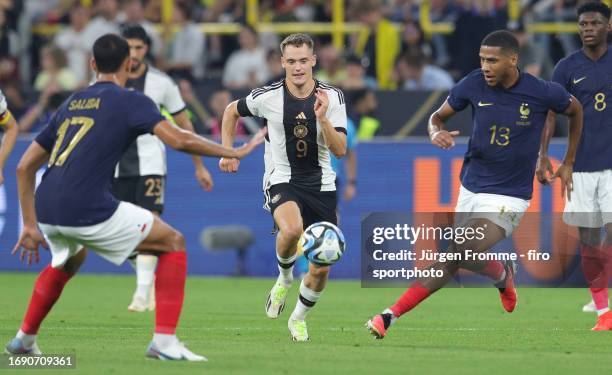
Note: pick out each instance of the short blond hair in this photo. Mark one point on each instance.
(297, 40)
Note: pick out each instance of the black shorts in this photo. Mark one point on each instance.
(314, 206)
(144, 191)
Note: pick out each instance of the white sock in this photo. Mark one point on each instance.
(28, 340)
(393, 317)
(306, 300)
(603, 311)
(285, 274)
(503, 276)
(145, 274)
(163, 341)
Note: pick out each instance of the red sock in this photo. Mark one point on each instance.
(411, 297)
(47, 289)
(593, 266)
(600, 297)
(493, 270)
(169, 290)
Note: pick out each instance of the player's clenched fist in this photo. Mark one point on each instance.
(321, 103)
(229, 165)
(444, 139)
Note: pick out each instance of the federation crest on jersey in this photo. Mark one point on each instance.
(524, 111)
(300, 131)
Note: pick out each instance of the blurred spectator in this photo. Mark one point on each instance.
(356, 76)
(378, 45)
(195, 109)
(556, 11)
(184, 51)
(37, 116)
(133, 12)
(332, 70)
(532, 59)
(152, 10)
(363, 103)
(73, 41)
(442, 11)
(413, 39)
(15, 98)
(104, 22)
(246, 68)
(476, 20)
(218, 102)
(9, 48)
(55, 71)
(275, 67)
(414, 73)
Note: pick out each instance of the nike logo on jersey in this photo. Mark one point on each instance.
(301, 116)
(481, 104)
(577, 81)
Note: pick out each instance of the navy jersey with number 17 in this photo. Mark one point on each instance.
(85, 139)
(507, 125)
(591, 83)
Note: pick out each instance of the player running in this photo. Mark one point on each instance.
(140, 176)
(587, 74)
(509, 110)
(306, 120)
(9, 126)
(74, 208)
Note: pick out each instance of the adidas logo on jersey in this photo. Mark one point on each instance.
(300, 116)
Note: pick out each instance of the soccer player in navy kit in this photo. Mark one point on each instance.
(509, 110)
(587, 74)
(73, 205)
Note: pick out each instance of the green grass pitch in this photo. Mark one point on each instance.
(458, 331)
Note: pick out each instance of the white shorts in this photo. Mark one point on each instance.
(591, 204)
(114, 239)
(502, 210)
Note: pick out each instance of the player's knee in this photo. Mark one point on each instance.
(292, 231)
(177, 241)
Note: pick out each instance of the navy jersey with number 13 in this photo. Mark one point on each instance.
(507, 125)
(85, 139)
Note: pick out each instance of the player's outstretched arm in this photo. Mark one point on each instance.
(564, 172)
(437, 135)
(228, 132)
(185, 141)
(202, 174)
(11, 130)
(544, 169)
(34, 158)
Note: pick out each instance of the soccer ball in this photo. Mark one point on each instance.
(323, 243)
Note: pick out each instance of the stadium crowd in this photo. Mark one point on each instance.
(38, 69)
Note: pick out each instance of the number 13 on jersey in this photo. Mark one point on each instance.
(500, 135)
(86, 124)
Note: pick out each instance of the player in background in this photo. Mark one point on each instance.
(9, 126)
(75, 210)
(306, 121)
(509, 110)
(140, 176)
(587, 74)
